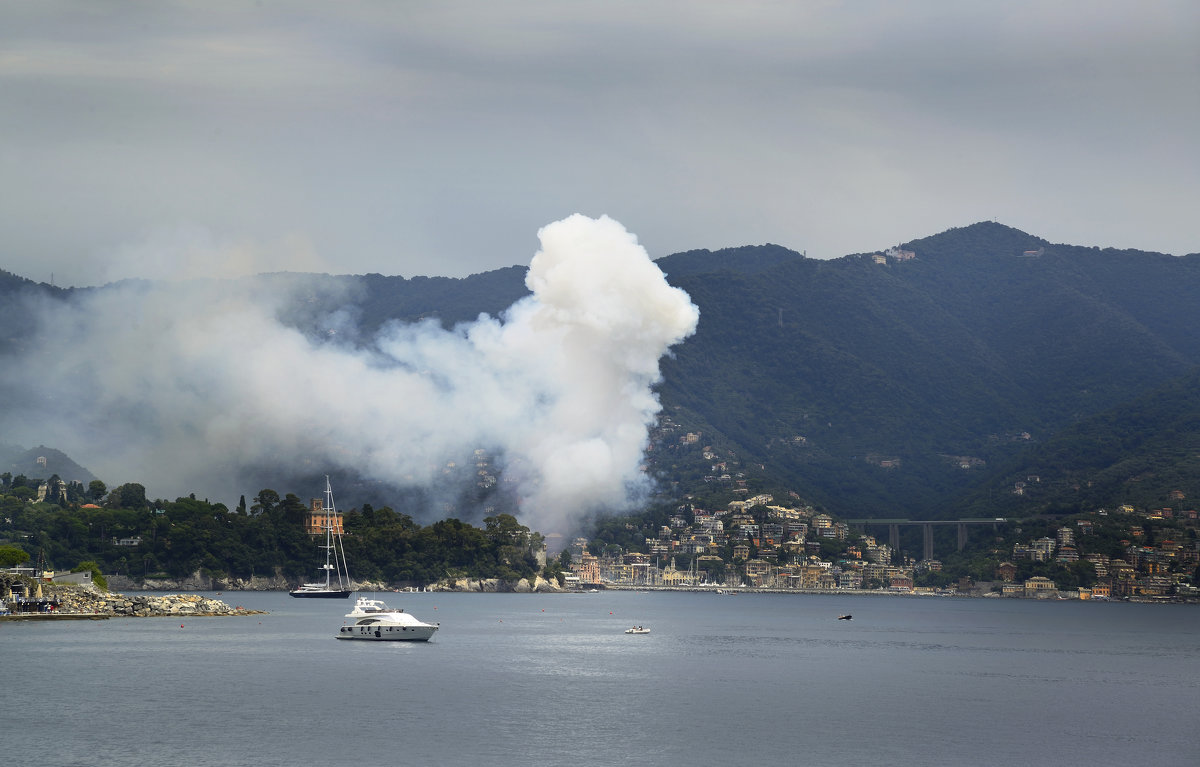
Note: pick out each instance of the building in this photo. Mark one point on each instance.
(588, 569)
(1066, 536)
(758, 572)
(1040, 588)
(1006, 571)
(1067, 555)
(900, 582)
(675, 577)
(319, 520)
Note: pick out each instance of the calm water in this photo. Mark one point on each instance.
(553, 680)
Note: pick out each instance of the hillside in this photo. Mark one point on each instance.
(42, 462)
(1144, 453)
(868, 387)
(922, 382)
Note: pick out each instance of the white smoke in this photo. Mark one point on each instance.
(176, 385)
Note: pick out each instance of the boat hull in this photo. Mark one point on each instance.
(332, 594)
(378, 633)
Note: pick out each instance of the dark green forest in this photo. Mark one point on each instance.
(263, 537)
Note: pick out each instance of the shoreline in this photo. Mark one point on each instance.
(66, 603)
(458, 588)
(54, 617)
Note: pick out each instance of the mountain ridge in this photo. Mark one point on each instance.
(866, 383)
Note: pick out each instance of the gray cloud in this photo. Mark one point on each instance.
(358, 138)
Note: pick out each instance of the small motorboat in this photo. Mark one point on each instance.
(845, 617)
(374, 620)
(637, 630)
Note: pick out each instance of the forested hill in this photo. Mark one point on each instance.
(924, 380)
(1140, 453)
(902, 385)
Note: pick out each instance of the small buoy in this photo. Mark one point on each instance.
(180, 625)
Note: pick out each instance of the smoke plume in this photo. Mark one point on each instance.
(177, 385)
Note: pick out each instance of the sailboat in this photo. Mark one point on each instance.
(335, 557)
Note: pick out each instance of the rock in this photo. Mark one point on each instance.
(197, 581)
(542, 586)
(89, 601)
(497, 586)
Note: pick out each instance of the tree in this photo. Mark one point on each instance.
(11, 556)
(97, 490)
(56, 490)
(505, 529)
(293, 509)
(932, 578)
(128, 496)
(23, 492)
(265, 502)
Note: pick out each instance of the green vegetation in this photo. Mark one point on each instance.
(992, 374)
(967, 355)
(127, 534)
(98, 578)
(11, 556)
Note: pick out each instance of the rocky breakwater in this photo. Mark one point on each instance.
(83, 602)
(197, 581)
(538, 585)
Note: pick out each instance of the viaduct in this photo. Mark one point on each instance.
(893, 526)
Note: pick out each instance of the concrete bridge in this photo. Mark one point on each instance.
(894, 526)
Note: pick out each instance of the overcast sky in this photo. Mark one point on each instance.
(185, 138)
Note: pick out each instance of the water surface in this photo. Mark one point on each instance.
(553, 679)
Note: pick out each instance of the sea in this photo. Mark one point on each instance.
(552, 679)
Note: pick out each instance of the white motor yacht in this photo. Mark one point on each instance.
(372, 619)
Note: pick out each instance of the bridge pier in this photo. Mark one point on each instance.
(893, 526)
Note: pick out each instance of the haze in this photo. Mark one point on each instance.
(181, 385)
(184, 139)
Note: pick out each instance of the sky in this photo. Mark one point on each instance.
(182, 139)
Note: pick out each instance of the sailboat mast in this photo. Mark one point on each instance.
(338, 550)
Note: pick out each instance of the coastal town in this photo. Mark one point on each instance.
(756, 544)
(752, 542)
